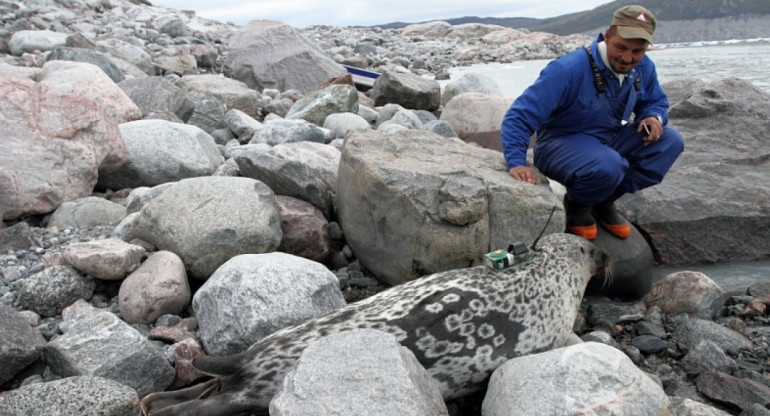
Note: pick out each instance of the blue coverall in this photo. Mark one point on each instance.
(584, 139)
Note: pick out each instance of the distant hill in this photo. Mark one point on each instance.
(679, 21)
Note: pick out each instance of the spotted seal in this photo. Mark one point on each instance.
(460, 324)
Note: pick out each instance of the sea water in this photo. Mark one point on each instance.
(708, 61)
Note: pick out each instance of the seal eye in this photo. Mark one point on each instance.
(582, 250)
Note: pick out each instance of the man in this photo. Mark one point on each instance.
(600, 117)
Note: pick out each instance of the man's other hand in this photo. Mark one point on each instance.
(524, 174)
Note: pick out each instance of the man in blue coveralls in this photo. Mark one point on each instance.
(600, 117)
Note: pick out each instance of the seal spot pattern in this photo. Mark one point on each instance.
(486, 318)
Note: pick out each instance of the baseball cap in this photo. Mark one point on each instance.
(634, 22)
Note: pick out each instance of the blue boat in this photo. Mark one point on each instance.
(363, 78)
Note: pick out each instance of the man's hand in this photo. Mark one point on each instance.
(524, 174)
(655, 129)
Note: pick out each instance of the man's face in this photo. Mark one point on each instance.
(624, 54)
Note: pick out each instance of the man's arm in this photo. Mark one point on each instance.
(527, 114)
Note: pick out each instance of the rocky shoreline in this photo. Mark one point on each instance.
(138, 172)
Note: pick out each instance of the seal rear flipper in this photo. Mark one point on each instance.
(218, 366)
(158, 403)
(222, 405)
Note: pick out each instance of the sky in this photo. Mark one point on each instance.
(303, 13)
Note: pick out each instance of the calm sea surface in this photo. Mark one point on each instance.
(748, 60)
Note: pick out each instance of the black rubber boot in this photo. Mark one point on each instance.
(609, 217)
(579, 219)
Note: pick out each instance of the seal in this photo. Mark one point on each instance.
(460, 324)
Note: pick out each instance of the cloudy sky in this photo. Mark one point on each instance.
(302, 13)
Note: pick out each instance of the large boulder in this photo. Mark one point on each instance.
(414, 203)
(407, 89)
(159, 151)
(477, 117)
(58, 135)
(714, 204)
(270, 54)
(208, 220)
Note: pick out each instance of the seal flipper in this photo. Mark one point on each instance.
(218, 366)
(152, 403)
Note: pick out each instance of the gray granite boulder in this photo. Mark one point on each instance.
(253, 295)
(415, 203)
(269, 54)
(208, 220)
(159, 151)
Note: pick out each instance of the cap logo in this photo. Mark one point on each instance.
(641, 17)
